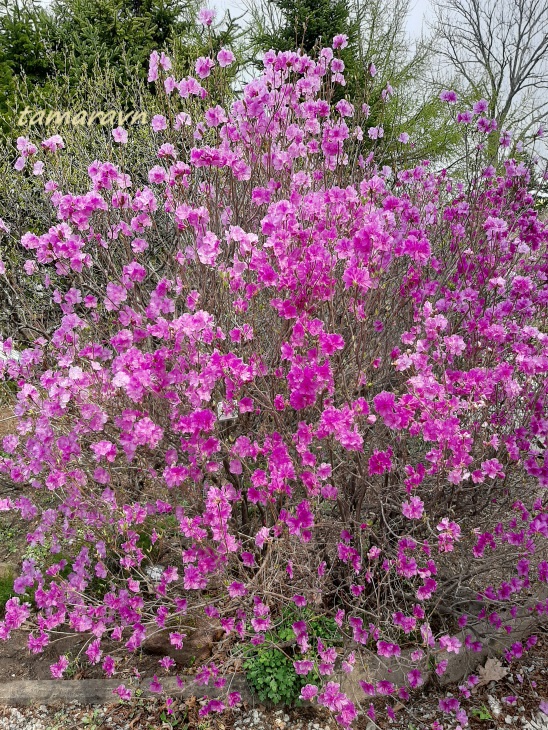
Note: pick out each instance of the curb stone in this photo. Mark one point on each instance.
(53, 692)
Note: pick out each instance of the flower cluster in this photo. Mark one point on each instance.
(324, 382)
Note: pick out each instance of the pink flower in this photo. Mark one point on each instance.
(108, 666)
(375, 132)
(480, 106)
(449, 96)
(380, 462)
(384, 687)
(413, 509)
(52, 144)
(215, 116)
(123, 692)
(165, 62)
(441, 667)
(166, 662)
(30, 267)
(93, 652)
(450, 644)
(203, 66)
(234, 698)
(308, 692)
(158, 123)
(58, 669)
(237, 589)
(225, 57)
(206, 17)
(182, 120)
(303, 667)
(155, 685)
(157, 175)
(120, 135)
(415, 679)
(340, 41)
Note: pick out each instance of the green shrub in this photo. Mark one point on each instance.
(269, 667)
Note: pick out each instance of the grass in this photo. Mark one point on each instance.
(6, 590)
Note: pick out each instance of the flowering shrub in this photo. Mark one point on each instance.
(281, 376)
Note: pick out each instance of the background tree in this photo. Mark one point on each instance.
(47, 54)
(288, 24)
(25, 33)
(377, 34)
(498, 50)
(120, 33)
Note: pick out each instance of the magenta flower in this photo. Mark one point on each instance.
(206, 17)
(108, 666)
(58, 669)
(120, 135)
(303, 667)
(225, 57)
(308, 692)
(413, 509)
(204, 66)
(123, 692)
(449, 96)
(340, 41)
(158, 123)
(450, 644)
(375, 132)
(155, 685)
(480, 106)
(93, 652)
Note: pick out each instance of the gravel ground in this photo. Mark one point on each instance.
(108, 718)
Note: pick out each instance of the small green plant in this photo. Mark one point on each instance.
(92, 721)
(9, 537)
(273, 677)
(269, 668)
(482, 713)
(174, 721)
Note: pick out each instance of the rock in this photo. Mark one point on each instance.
(495, 706)
(197, 646)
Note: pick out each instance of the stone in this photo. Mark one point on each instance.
(197, 646)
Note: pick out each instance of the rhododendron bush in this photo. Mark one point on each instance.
(282, 376)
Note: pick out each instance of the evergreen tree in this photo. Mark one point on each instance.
(305, 24)
(119, 33)
(25, 30)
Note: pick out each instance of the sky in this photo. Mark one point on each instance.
(414, 21)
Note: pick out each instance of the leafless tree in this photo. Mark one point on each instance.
(499, 48)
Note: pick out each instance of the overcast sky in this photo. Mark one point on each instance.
(414, 22)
